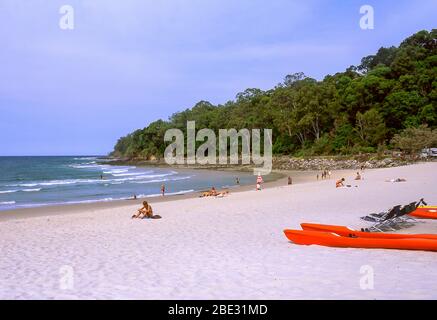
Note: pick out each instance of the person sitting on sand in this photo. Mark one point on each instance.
(145, 212)
(339, 183)
(358, 177)
(213, 192)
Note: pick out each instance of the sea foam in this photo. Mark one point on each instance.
(31, 190)
(8, 191)
(167, 194)
(7, 202)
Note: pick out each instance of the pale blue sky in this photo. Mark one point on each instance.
(131, 62)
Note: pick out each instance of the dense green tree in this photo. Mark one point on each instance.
(413, 140)
(357, 110)
(370, 127)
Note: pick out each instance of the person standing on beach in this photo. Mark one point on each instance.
(237, 180)
(259, 181)
(163, 189)
(289, 180)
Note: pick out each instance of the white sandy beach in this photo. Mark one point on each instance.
(221, 248)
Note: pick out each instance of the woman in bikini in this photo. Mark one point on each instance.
(145, 212)
(339, 183)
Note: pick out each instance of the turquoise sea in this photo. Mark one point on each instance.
(27, 182)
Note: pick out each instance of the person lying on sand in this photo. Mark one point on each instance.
(210, 193)
(222, 194)
(397, 180)
(146, 212)
(339, 183)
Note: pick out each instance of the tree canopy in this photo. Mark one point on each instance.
(353, 111)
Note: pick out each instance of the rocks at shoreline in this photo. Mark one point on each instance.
(290, 163)
(287, 163)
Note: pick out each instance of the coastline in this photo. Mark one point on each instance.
(275, 179)
(287, 163)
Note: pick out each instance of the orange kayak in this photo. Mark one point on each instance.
(334, 240)
(347, 232)
(425, 213)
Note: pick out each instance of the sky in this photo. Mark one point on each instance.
(128, 63)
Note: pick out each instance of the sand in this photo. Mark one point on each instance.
(222, 248)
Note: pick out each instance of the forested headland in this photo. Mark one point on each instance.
(388, 101)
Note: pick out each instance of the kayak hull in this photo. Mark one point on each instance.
(347, 232)
(333, 240)
(425, 213)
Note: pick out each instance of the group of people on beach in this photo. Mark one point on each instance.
(325, 175)
(146, 211)
(359, 176)
(213, 193)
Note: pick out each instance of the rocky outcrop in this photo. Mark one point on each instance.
(287, 163)
(290, 163)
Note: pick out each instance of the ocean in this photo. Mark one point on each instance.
(27, 182)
